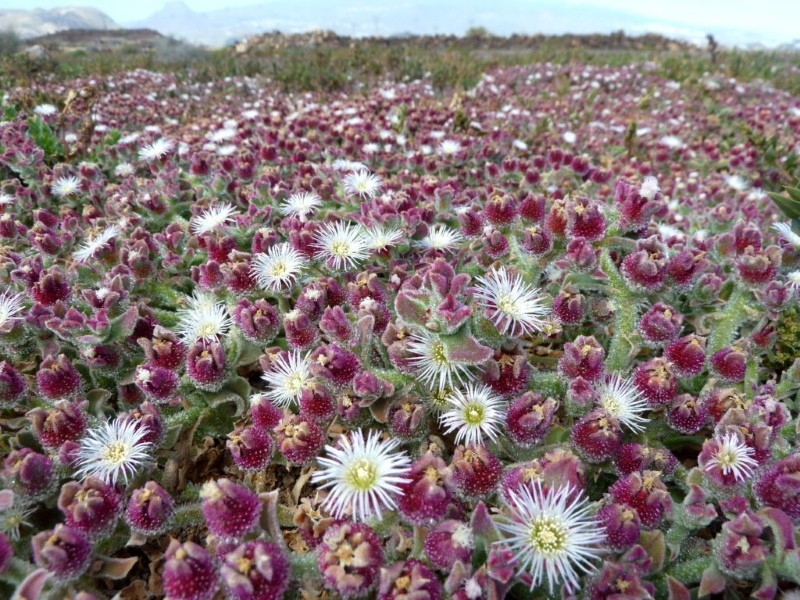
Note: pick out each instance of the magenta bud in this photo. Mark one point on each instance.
(684, 267)
(532, 208)
(529, 418)
(66, 421)
(299, 439)
(471, 222)
(656, 379)
(408, 419)
(450, 541)
(636, 457)
(349, 558)
(255, 570)
(164, 350)
(316, 402)
(740, 551)
(251, 448)
(158, 384)
(596, 436)
(645, 269)
(495, 244)
(757, 267)
(687, 355)
(729, 364)
(409, 579)
(500, 209)
(476, 471)
(230, 509)
(569, 305)
(335, 364)
(622, 526)
(258, 321)
(426, 496)
(206, 365)
(335, 324)
(92, 507)
(582, 358)
(64, 551)
(585, 220)
(581, 393)
(150, 510)
(57, 379)
(778, 486)
(646, 494)
(149, 420)
(28, 473)
(264, 413)
(536, 240)
(661, 324)
(189, 573)
(51, 287)
(301, 331)
(506, 372)
(12, 385)
(581, 255)
(687, 414)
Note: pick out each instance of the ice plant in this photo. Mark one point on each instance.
(475, 415)
(363, 475)
(784, 230)
(431, 358)
(96, 243)
(340, 245)
(553, 534)
(362, 183)
(10, 306)
(620, 399)
(113, 452)
(156, 150)
(288, 376)
(278, 267)
(731, 456)
(213, 218)
(64, 187)
(441, 237)
(203, 319)
(515, 307)
(301, 205)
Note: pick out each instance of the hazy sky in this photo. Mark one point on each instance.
(769, 19)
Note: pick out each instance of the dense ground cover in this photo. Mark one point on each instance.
(536, 336)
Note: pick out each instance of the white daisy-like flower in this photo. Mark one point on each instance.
(733, 456)
(341, 164)
(301, 205)
(515, 307)
(213, 218)
(786, 234)
(204, 318)
(90, 247)
(569, 137)
(278, 267)
(363, 476)
(362, 183)
(553, 534)
(14, 517)
(113, 452)
(476, 414)
(441, 237)
(622, 399)
(124, 169)
(64, 187)
(45, 110)
(6, 199)
(737, 182)
(793, 280)
(649, 187)
(157, 150)
(341, 245)
(287, 377)
(10, 307)
(380, 238)
(449, 148)
(432, 360)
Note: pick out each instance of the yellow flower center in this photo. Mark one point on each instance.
(116, 452)
(362, 475)
(548, 535)
(474, 413)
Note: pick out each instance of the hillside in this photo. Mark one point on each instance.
(39, 22)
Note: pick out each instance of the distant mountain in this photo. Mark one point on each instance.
(38, 22)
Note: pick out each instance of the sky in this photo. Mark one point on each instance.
(769, 21)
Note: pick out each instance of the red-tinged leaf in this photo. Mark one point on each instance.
(712, 582)
(677, 591)
(116, 568)
(32, 585)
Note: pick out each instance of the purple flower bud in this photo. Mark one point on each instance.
(164, 350)
(729, 364)
(687, 355)
(57, 378)
(645, 269)
(507, 371)
(92, 507)
(536, 240)
(299, 439)
(51, 287)
(12, 385)
(687, 414)
(739, 549)
(316, 402)
(29, 473)
(684, 267)
(150, 421)
(450, 541)
(584, 220)
(596, 436)
(495, 244)
(646, 494)
(64, 551)
(301, 332)
(656, 379)
(569, 305)
(54, 426)
(189, 573)
(662, 323)
(230, 509)
(255, 570)
(636, 457)
(158, 384)
(335, 364)
(582, 358)
(335, 324)
(408, 419)
(476, 471)
(150, 510)
(426, 496)
(409, 579)
(471, 222)
(622, 581)
(264, 413)
(258, 321)
(350, 558)
(251, 448)
(635, 210)
(581, 255)
(581, 393)
(529, 418)
(778, 486)
(757, 267)
(206, 365)
(622, 526)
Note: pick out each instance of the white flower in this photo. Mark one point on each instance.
(569, 137)
(552, 534)
(672, 142)
(621, 399)
(649, 187)
(10, 307)
(732, 456)
(113, 451)
(340, 245)
(301, 205)
(123, 169)
(441, 237)
(203, 318)
(449, 147)
(514, 307)
(362, 183)
(476, 414)
(786, 234)
(63, 187)
(379, 238)
(363, 476)
(278, 267)
(90, 247)
(519, 145)
(45, 110)
(737, 182)
(6, 199)
(157, 150)
(213, 218)
(14, 517)
(432, 360)
(793, 280)
(287, 378)
(341, 164)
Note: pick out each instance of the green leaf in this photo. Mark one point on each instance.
(40, 132)
(790, 206)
